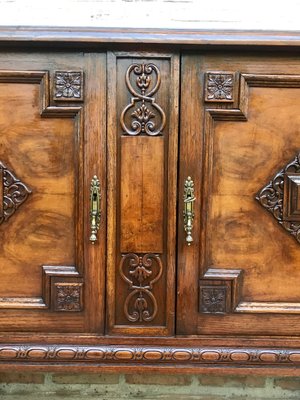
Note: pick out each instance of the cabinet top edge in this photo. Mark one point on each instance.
(181, 37)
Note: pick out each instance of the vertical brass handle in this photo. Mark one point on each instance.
(188, 212)
(95, 213)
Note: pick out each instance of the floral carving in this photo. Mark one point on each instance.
(144, 110)
(68, 85)
(213, 299)
(13, 191)
(68, 296)
(137, 270)
(271, 197)
(219, 87)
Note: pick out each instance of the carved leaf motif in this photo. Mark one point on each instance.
(14, 192)
(271, 197)
(147, 116)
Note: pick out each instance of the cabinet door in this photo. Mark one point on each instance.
(240, 144)
(52, 117)
(141, 203)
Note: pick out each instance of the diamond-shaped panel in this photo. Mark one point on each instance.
(13, 193)
(281, 197)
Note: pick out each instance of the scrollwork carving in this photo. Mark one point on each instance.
(145, 112)
(137, 270)
(14, 193)
(271, 197)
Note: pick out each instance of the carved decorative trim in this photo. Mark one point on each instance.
(219, 86)
(147, 117)
(276, 197)
(68, 296)
(13, 193)
(68, 85)
(138, 271)
(146, 354)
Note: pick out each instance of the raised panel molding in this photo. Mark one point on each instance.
(56, 274)
(214, 292)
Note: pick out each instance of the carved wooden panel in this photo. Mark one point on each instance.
(245, 145)
(41, 172)
(142, 139)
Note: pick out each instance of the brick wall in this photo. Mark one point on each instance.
(17, 386)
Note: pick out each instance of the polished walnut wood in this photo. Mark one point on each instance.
(142, 160)
(146, 112)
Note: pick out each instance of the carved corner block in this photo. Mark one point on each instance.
(220, 87)
(68, 296)
(280, 196)
(220, 291)
(68, 86)
(62, 288)
(215, 298)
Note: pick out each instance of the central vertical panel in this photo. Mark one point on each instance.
(142, 151)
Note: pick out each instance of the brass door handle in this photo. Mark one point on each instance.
(95, 213)
(188, 212)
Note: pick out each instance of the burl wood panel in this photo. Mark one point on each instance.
(42, 142)
(41, 152)
(142, 187)
(245, 155)
(232, 150)
(142, 147)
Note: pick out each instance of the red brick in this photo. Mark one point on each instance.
(15, 377)
(85, 378)
(232, 381)
(155, 379)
